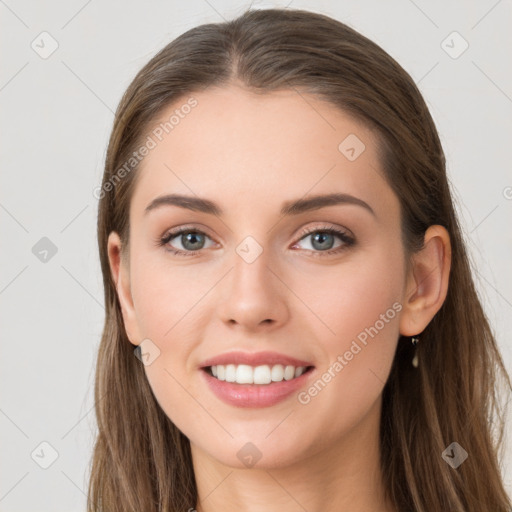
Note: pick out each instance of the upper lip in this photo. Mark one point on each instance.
(254, 359)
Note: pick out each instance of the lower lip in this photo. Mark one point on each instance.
(255, 395)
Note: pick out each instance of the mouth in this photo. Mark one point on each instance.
(265, 385)
(257, 379)
(261, 375)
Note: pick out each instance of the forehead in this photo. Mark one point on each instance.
(252, 150)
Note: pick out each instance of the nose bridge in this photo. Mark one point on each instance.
(254, 294)
(251, 272)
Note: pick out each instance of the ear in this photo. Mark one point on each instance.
(121, 275)
(427, 282)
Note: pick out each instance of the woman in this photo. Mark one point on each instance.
(279, 243)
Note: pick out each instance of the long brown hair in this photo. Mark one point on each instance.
(141, 461)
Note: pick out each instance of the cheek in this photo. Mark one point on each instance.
(353, 296)
(337, 303)
(360, 310)
(350, 311)
(357, 308)
(167, 303)
(177, 394)
(163, 295)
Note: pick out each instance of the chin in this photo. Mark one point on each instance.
(241, 453)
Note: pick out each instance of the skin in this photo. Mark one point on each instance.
(250, 153)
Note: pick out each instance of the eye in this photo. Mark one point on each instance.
(323, 239)
(191, 240)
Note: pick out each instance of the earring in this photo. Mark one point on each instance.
(414, 341)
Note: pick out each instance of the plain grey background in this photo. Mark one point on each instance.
(64, 68)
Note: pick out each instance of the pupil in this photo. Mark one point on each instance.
(323, 237)
(191, 237)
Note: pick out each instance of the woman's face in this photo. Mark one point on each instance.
(253, 280)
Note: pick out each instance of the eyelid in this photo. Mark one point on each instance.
(305, 231)
(326, 228)
(199, 228)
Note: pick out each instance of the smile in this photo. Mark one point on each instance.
(260, 375)
(251, 387)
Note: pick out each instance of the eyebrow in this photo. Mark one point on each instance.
(294, 207)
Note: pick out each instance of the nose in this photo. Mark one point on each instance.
(253, 296)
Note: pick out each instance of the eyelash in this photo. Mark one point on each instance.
(347, 240)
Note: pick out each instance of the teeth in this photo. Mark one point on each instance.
(261, 375)
(264, 374)
(230, 373)
(277, 373)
